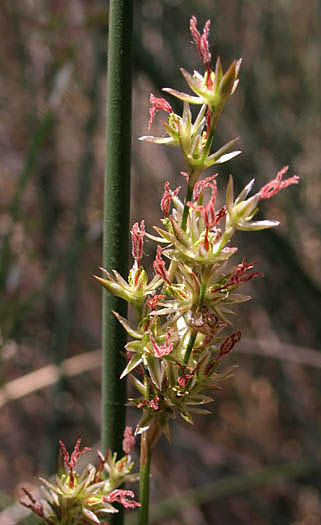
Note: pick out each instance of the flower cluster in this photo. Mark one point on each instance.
(86, 498)
(184, 324)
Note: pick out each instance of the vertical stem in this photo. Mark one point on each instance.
(145, 461)
(190, 345)
(116, 219)
(189, 194)
(193, 176)
(202, 294)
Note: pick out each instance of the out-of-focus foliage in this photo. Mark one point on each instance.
(52, 72)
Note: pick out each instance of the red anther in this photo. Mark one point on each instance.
(201, 41)
(159, 266)
(202, 184)
(71, 460)
(229, 343)
(207, 211)
(277, 184)
(153, 300)
(153, 404)
(34, 505)
(186, 175)
(137, 234)
(157, 104)
(239, 275)
(128, 440)
(184, 378)
(161, 350)
(167, 196)
(120, 496)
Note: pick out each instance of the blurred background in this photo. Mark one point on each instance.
(266, 421)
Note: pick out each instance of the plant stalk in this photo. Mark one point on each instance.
(145, 462)
(116, 220)
(188, 198)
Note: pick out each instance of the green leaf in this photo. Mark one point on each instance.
(135, 361)
(183, 96)
(128, 328)
(138, 384)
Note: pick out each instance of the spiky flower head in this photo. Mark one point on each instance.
(86, 498)
(185, 325)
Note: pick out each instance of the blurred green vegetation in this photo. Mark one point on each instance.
(52, 147)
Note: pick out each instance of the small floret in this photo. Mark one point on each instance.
(71, 460)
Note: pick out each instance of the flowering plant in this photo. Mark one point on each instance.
(184, 310)
(183, 323)
(84, 498)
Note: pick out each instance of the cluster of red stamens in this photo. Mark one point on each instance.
(71, 460)
(160, 266)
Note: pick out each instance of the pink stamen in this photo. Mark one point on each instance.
(161, 350)
(220, 214)
(184, 378)
(277, 184)
(120, 496)
(128, 441)
(167, 197)
(34, 505)
(201, 41)
(229, 343)
(153, 403)
(185, 175)
(157, 104)
(70, 461)
(137, 234)
(152, 302)
(202, 184)
(239, 275)
(207, 212)
(159, 266)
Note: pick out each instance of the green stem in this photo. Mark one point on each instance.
(189, 194)
(116, 220)
(193, 335)
(194, 174)
(209, 141)
(202, 294)
(193, 177)
(145, 462)
(215, 115)
(190, 346)
(232, 485)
